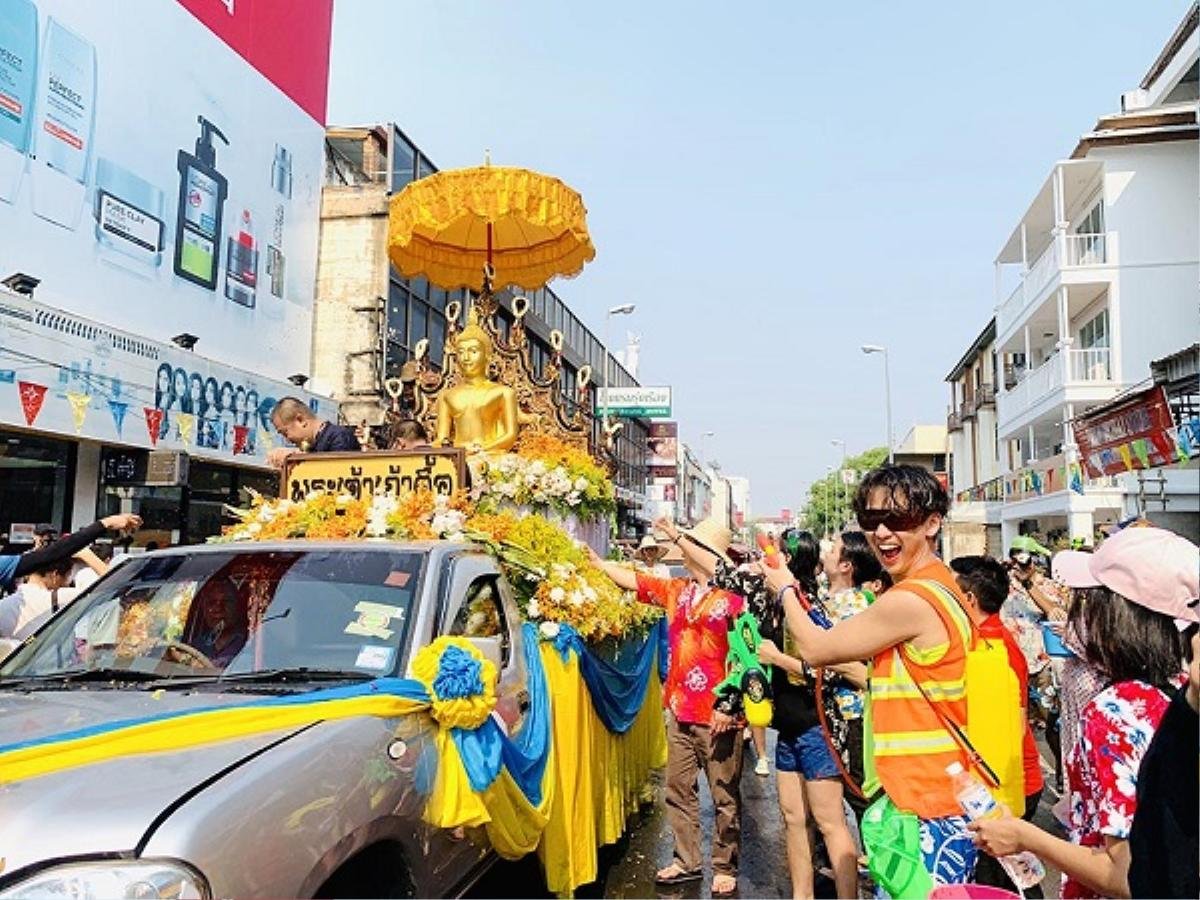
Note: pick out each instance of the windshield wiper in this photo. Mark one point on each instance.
(78, 676)
(296, 675)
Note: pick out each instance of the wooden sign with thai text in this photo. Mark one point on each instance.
(370, 474)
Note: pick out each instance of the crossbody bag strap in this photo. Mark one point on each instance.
(54, 600)
(957, 732)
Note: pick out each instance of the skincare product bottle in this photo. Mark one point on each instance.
(64, 125)
(18, 68)
(202, 192)
(241, 264)
(128, 213)
(281, 182)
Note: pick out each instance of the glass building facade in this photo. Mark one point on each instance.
(417, 309)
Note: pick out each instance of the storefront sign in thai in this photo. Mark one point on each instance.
(1138, 433)
(634, 402)
(373, 474)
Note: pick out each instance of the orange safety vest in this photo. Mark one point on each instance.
(911, 747)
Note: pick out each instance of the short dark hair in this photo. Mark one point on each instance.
(289, 409)
(911, 489)
(804, 555)
(409, 430)
(864, 564)
(984, 577)
(1126, 641)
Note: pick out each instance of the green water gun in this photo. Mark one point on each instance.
(744, 674)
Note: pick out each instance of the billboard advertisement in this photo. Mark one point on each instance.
(1138, 433)
(114, 387)
(634, 402)
(161, 164)
(663, 446)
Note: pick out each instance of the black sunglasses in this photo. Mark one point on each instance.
(892, 519)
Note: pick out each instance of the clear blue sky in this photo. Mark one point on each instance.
(773, 184)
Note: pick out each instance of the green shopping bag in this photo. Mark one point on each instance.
(893, 843)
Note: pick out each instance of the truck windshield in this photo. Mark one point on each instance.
(234, 613)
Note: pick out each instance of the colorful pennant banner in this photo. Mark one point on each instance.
(118, 410)
(79, 407)
(154, 420)
(32, 397)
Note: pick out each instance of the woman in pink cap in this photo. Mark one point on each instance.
(1138, 591)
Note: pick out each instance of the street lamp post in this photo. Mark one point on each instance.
(829, 505)
(623, 310)
(845, 515)
(703, 447)
(887, 390)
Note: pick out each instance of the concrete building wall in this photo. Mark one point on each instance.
(352, 280)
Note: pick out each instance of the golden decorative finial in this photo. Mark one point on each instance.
(474, 332)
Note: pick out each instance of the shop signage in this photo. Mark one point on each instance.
(634, 402)
(67, 375)
(21, 532)
(1138, 433)
(166, 468)
(663, 445)
(374, 473)
(161, 165)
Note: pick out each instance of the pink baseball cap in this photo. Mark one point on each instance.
(1153, 567)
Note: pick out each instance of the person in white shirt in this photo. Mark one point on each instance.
(45, 591)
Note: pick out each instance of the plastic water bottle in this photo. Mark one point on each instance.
(977, 802)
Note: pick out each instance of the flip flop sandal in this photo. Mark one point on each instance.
(681, 876)
(728, 893)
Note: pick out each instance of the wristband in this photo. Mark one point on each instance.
(789, 587)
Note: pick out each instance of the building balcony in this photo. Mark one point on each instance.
(1069, 259)
(1069, 376)
(954, 420)
(985, 395)
(1047, 480)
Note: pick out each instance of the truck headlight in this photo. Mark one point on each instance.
(134, 880)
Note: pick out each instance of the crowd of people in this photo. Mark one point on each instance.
(902, 686)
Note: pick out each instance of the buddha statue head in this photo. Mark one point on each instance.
(473, 348)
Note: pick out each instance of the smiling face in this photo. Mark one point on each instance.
(472, 357)
(900, 540)
(196, 388)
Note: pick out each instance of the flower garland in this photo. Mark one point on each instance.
(547, 475)
(553, 578)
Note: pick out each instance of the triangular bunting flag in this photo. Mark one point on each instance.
(1163, 445)
(1126, 457)
(186, 423)
(1183, 444)
(32, 397)
(1076, 478)
(118, 410)
(239, 439)
(1141, 449)
(154, 419)
(79, 407)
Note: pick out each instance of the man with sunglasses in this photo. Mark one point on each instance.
(916, 636)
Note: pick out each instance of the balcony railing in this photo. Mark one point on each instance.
(988, 492)
(954, 420)
(1049, 476)
(1065, 252)
(985, 395)
(1072, 368)
(966, 409)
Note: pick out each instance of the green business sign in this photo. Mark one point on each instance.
(635, 402)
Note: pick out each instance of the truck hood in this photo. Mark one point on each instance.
(105, 807)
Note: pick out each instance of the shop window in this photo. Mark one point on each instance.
(37, 476)
(404, 161)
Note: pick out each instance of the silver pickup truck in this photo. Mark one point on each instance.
(330, 809)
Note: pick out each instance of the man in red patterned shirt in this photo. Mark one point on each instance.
(701, 733)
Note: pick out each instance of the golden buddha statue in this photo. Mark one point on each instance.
(477, 414)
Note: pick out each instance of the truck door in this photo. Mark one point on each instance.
(476, 607)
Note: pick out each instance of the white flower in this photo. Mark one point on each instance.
(590, 592)
(549, 630)
(534, 609)
(253, 528)
(557, 594)
(576, 598)
(581, 484)
(573, 498)
(537, 468)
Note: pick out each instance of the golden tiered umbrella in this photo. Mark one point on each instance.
(493, 225)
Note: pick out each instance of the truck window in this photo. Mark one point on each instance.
(481, 614)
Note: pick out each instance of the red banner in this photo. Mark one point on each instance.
(154, 420)
(32, 397)
(287, 41)
(1133, 435)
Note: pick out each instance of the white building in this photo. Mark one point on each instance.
(1105, 265)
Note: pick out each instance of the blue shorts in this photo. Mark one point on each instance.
(807, 754)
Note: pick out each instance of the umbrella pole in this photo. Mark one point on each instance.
(489, 272)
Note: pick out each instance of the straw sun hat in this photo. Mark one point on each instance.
(712, 536)
(651, 550)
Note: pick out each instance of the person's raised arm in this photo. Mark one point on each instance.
(622, 576)
(73, 543)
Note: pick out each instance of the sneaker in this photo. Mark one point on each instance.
(762, 767)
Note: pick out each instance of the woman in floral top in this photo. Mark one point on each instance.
(1135, 589)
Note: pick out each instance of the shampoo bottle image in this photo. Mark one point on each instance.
(281, 183)
(18, 69)
(64, 124)
(241, 264)
(202, 192)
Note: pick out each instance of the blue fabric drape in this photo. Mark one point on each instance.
(487, 748)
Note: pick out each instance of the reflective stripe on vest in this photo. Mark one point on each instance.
(911, 746)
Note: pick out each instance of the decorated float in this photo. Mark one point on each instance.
(519, 469)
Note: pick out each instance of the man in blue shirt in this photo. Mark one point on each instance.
(296, 423)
